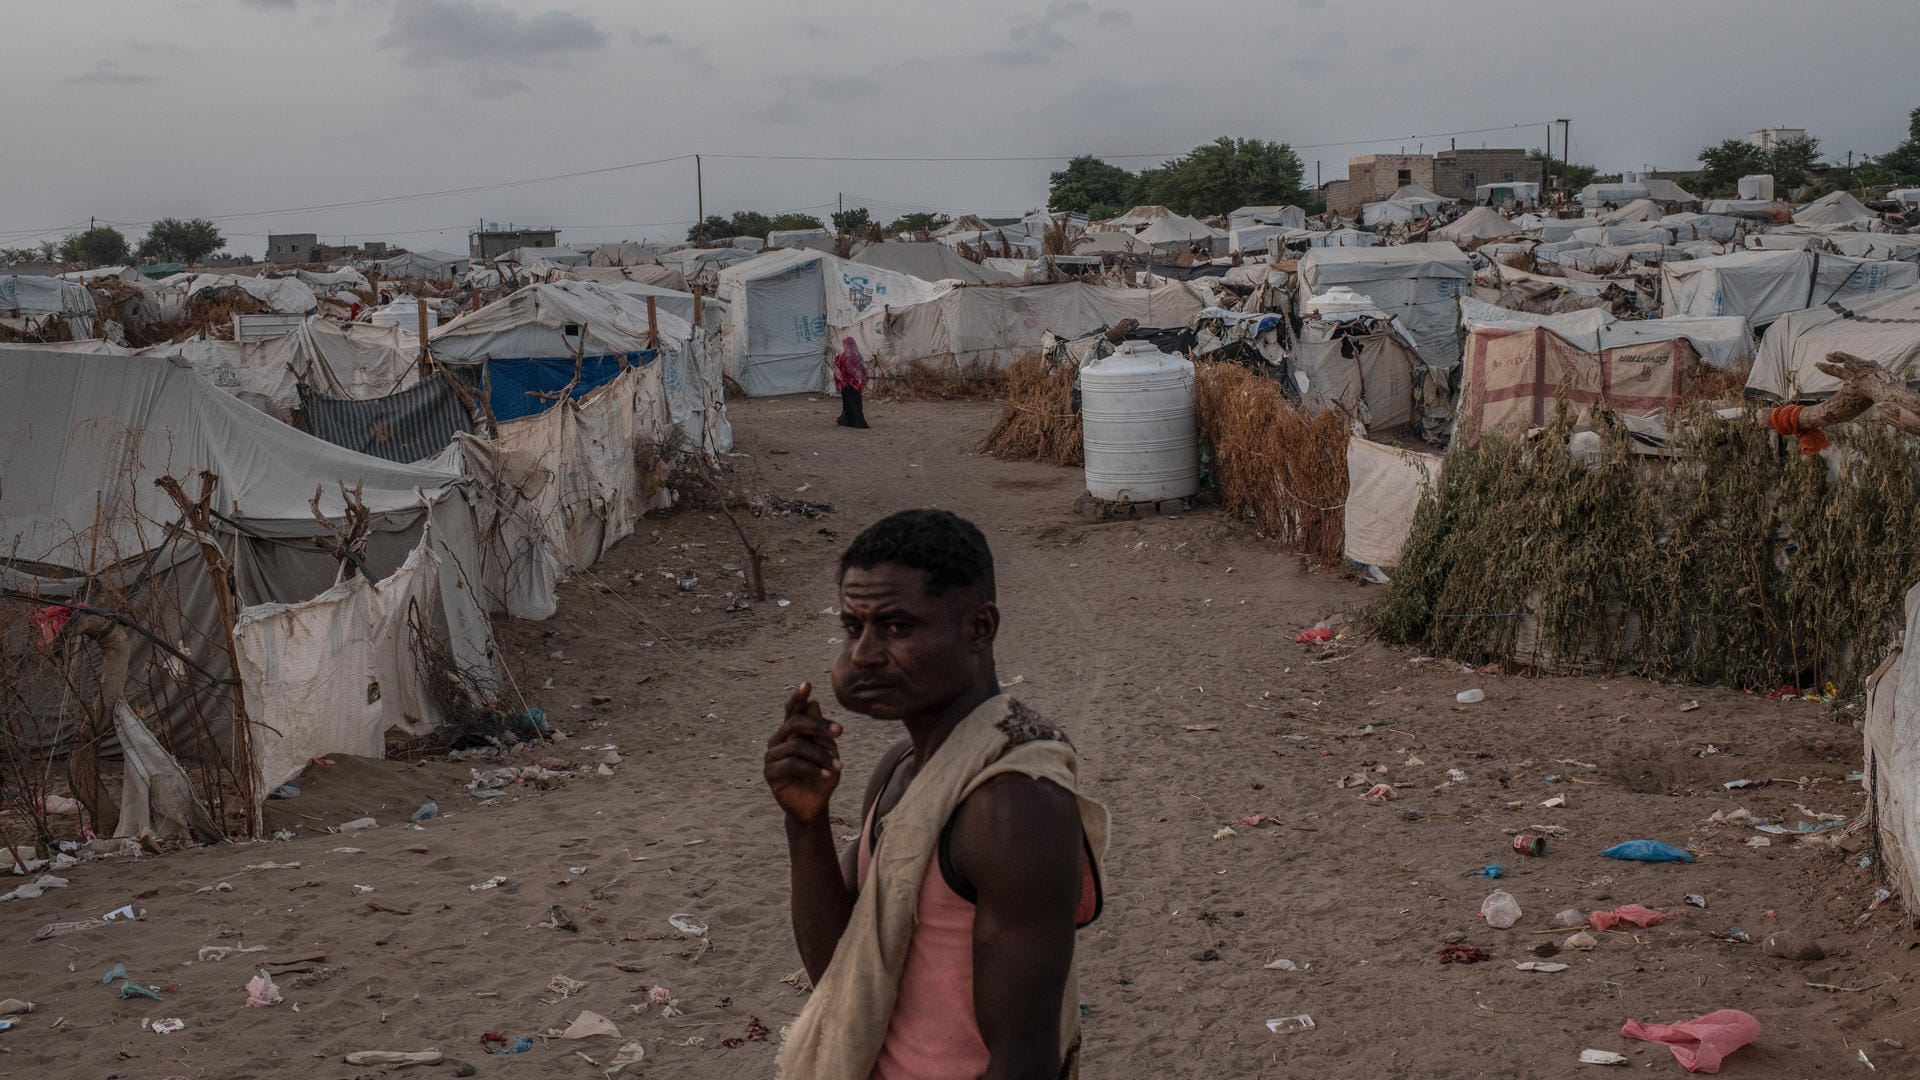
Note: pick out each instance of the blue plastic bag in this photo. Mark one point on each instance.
(1647, 851)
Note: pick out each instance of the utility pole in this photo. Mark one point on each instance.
(1546, 168)
(699, 192)
(1566, 148)
(841, 198)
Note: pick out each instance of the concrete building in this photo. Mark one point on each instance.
(1766, 138)
(1375, 177)
(292, 247)
(1456, 173)
(494, 241)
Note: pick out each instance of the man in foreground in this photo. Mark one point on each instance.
(941, 943)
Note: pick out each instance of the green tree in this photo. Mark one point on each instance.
(1092, 187)
(1224, 175)
(918, 221)
(175, 240)
(742, 223)
(852, 222)
(790, 221)
(101, 245)
(1901, 165)
(1791, 160)
(1722, 166)
(1575, 174)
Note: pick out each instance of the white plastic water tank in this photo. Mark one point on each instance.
(1136, 408)
(405, 314)
(1757, 188)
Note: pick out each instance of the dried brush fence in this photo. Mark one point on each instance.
(921, 381)
(1735, 560)
(1273, 464)
(1038, 421)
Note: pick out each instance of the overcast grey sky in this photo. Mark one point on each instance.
(131, 111)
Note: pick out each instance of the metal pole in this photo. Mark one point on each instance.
(699, 191)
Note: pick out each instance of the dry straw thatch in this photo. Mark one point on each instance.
(1038, 421)
(1736, 560)
(1273, 464)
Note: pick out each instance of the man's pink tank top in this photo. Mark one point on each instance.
(933, 1034)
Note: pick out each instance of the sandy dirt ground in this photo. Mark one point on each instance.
(1165, 646)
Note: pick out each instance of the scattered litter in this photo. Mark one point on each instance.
(215, 953)
(362, 889)
(558, 919)
(1223, 832)
(1733, 785)
(1647, 851)
(1500, 909)
(427, 812)
(35, 889)
(1583, 941)
(167, 1026)
(131, 989)
(393, 1058)
(1759, 841)
(1690, 706)
(1287, 1025)
(1635, 914)
(1700, 1045)
(1741, 816)
(1314, 636)
(1543, 966)
(1570, 917)
(1491, 870)
(564, 986)
(493, 882)
(1734, 935)
(1471, 697)
(1378, 793)
(1461, 954)
(1602, 1057)
(1575, 764)
(756, 1032)
(62, 929)
(1868, 1062)
(284, 791)
(261, 991)
(590, 1025)
(349, 851)
(1254, 821)
(1555, 803)
(576, 871)
(1696, 900)
(688, 925)
(632, 1053)
(1282, 965)
(495, 1043)
(1458, 776)
(16, 1007)
(114, 974)
(270, 865)
(128, 912)
(357, 825)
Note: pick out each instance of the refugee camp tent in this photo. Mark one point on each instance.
(1384, 487)
(1752, 209)
(1138, 218)
(1477, 226)
(285, 296)
(1511, 191)
(1352, 356)
(347, 278)
(1837, 209)
(1605, 196)
(1515, 376)
(557, 256)
(1410, 203)
(1255, 238)
(1723, 341)
(1892, 759)
(1687, 226)
(1415, 283)
(692, 261)
(1291, 217)
(1637, 210)
(622, 253)
(1884, 329)
(974, 331)
(1334, 238)
(791, 308)
(809, 239)
(326, 656)
(427, 265)
(1173, 234)
(1763, 285)
(1669, 194)
(35, 305)
(1863, 245)
(1107, 242)
(1907, 197)
(1641, 232)
(928, 261)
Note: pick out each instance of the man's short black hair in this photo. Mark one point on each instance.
(950, 549)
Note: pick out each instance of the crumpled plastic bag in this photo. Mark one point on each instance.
(1647, 851)
(261, 991)
(1642, 917)
(1700, 1045)
(590, 1025)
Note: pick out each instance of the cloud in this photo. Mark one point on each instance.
(797, 95)
(1321, 55)
(108, 73)
(1037, 40)
(1312, 5)
(1114, 17)
(271, 5)
(451, 32)
(1405, 54)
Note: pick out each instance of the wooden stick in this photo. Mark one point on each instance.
(653, 324)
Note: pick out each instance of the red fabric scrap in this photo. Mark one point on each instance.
(1461, 954)
(1314, 636)
(1700, 1045)
(49, 621)
(1786, 421)
(1642, 917)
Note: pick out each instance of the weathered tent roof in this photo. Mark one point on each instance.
(928, 261)
(1637, 210)
(1884, 329)
(1290, 216)
(1763, 285)
(1175, 229)
(1662, 190)
(1346, 265)
(1479, 223)
(1838, 208)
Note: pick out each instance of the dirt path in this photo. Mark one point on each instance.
(1165, 646)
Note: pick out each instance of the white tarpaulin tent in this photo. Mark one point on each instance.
(1476, 226)
(967, 331)
(1637, 210)
(1291, 217)
(1411, 203)
(623, 253)
(1603, 196)
(928, 261)
(1176, 234)
(1702, 227)
(809, 239)
(791, 308)
(1760, 286)
(1836, 209)
(284, 296)
(1884, 329)
(533, 256)
(1519, 190)
(1255, 238)
(1415, 283)
(1722, 341)
(33, 302)
(324, 656)
(430, 265)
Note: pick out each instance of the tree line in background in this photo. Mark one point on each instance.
(188, 240)
(1214, 178)
(1794, 163)
(852, 221)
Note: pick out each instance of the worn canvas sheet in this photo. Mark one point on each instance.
(1418, 284)
(988, 329)
(1892, 765)
(1384, 487)
(412, 425)
(1515, 376)
(1760, 286)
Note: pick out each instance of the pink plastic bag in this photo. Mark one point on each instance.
(1629, 913)
(1700, 1045)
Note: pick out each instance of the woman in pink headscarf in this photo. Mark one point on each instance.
(850, 378)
